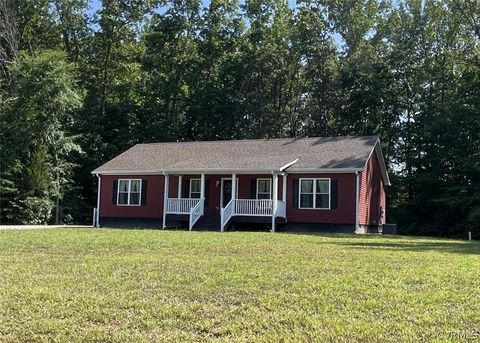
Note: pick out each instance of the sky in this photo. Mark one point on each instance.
(95, 4)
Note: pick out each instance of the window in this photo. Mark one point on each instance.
(315, 193)
(129, 192)
(264, 188)
(195, 188)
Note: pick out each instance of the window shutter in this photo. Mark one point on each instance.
(185, 188)
(207, 193)
(253, 189)
(143, 201)
(333, 194)
(295, 193)
(114, 193)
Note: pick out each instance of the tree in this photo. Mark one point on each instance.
(171, 61)
(186, 70)
(212, 111)
(47, 95)
(317, 106)
(9, 41)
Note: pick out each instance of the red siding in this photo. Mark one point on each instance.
(372, 193)
(172, 187)
(154, 203)
(343, 214)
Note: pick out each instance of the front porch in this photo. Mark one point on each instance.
(218, 197)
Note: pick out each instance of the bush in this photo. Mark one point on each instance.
(35, 210)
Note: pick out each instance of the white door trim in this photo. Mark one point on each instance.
(221, 189)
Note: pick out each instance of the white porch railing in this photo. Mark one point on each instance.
(181, 205)
(258, 207)
(196, 212)
(253, 207)
(226, 213)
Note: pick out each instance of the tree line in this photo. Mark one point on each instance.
(80, 85)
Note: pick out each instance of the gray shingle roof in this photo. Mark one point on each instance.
(242, 155)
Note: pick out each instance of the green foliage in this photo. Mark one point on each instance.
(38, 118)
(34, 210)
(173, 70)
(38, 172)
(8, 193)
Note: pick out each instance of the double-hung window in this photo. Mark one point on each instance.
(129, 192)
(195, 188)
(314, 193)
(264, 188)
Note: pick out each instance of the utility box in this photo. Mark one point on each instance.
(389, 229)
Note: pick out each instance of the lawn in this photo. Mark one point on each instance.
(110, 285)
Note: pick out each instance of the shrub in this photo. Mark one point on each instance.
(34, 210)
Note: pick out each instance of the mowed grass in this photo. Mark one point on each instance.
(111, 285)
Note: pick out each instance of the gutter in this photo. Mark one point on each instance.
(228, 171)
(97, 213)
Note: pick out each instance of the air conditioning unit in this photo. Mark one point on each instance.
(389, 229)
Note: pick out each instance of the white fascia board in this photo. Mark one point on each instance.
(324, 170)
(383, 165)
(226, 171)
(129, 172)
(185, 172)
(377, 148)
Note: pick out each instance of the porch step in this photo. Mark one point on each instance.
(178, 221)
(208, 223)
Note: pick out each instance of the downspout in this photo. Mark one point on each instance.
(274, 198)
(357, 196)
(97, 213)
(165, 199)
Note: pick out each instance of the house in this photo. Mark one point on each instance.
(318, 183)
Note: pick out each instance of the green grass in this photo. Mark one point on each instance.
(110, 285)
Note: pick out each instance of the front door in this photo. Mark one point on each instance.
(226, 192)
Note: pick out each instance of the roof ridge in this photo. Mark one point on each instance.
(258, 139)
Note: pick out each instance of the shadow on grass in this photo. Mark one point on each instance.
(449, 247)
(393, 243)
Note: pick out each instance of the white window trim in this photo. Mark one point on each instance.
(129, 192)
(315, 193)
(190, 188)
(269, 191)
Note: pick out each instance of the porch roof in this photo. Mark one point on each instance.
(256, 155)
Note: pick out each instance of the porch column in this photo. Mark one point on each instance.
(234, 191)
(284, 189)
(165, 200)
(179, 190)
(202, 191)
(275, 199)
(234, 186)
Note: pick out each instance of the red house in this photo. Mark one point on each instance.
(320, 183)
